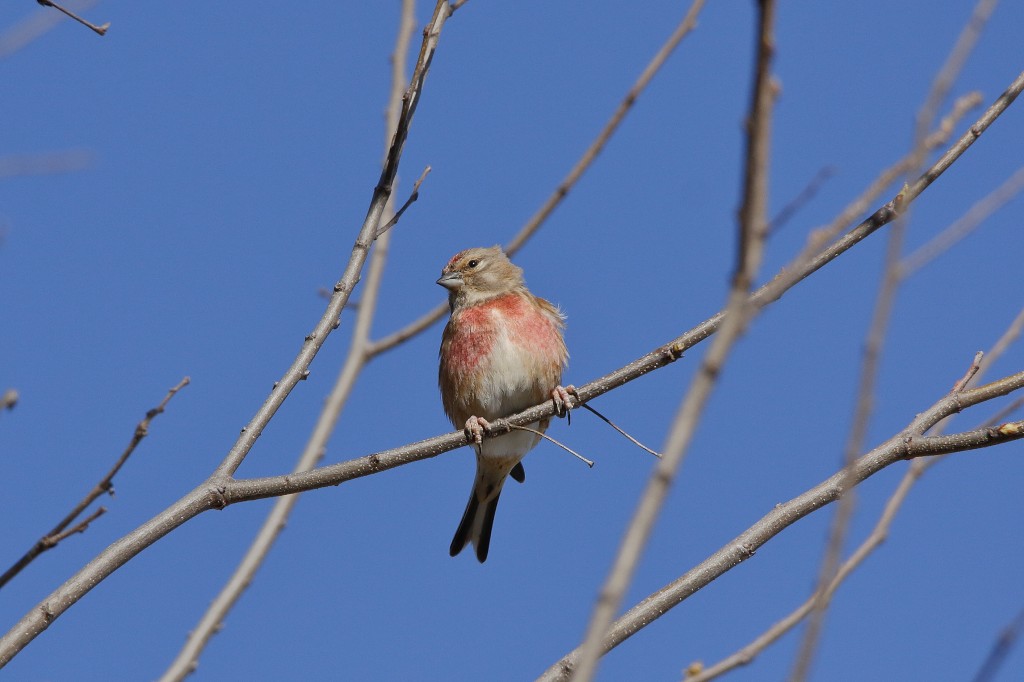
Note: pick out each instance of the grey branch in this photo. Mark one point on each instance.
(753, 225)
(100, 30)
(687, 25)
(212, 620)
(904, 445)
(104, 486)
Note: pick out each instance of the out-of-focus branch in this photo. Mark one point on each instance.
(330, 320)
(753, 225)
(45, 164)
(212, 493)
(876, 337)
(687, 25)
(9, 399)
(939, 137)
(212, 619)
(877, 536)
(786, 213)
(1002, 646)
(699, 673)
(904, 445)
(963, 226)
(104, 486)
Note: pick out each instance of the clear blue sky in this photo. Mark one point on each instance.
(234, 150)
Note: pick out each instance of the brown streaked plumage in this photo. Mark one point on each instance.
(501, 352)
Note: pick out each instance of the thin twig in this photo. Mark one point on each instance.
(688, 23)
(964, 225)
(940, 136)
(408, 202)
(329, 321)
(752, 226)
(875, 539)
(19, 165)
(101, 30)
(80, 527)
(612, 424)
(880, 532)
(787, 212)
(213, 618)
(1000, 648)
(104, 486)
(545, 436)
(34, 26)
(744, 546)
(876, 337)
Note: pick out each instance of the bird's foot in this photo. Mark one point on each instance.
(563, 397)
(475, 428)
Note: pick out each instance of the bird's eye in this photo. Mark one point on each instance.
(473, 263)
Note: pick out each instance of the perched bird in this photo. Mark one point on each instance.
(502, 352)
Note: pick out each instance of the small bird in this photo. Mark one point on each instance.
(502, 351)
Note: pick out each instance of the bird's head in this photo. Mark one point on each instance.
(477, 274)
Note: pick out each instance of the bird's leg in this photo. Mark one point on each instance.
(563, 398)
(475, 427)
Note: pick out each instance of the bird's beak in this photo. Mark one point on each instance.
(450, 281)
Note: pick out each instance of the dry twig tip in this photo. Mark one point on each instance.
(101, 30)
(572, 452)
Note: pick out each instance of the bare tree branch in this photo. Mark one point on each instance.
(45, 164)
(876, 336)
(1002, 646)
(104, 486)
(299, 369)
(963, 225)
(907, 444)
(753, 225)
(101, 30)
(696, 672)
(687, 25)
(821, 236)
(34, 26)
(212, 620)
(877, 536)
(413, 196)
(786, 213)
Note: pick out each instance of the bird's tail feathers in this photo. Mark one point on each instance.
(478, 519)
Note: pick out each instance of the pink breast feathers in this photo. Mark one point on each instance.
(479, 328)
(511, 315)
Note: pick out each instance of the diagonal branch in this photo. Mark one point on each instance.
(687, 25)
(34, 26)
(904, 445)
(753, 225)
(964, 225)
(876, 335)
(104, 486)
(330, 320)
(211, 494)
(788, 277)
(212, 619)
(100, 30)
(875, 538)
